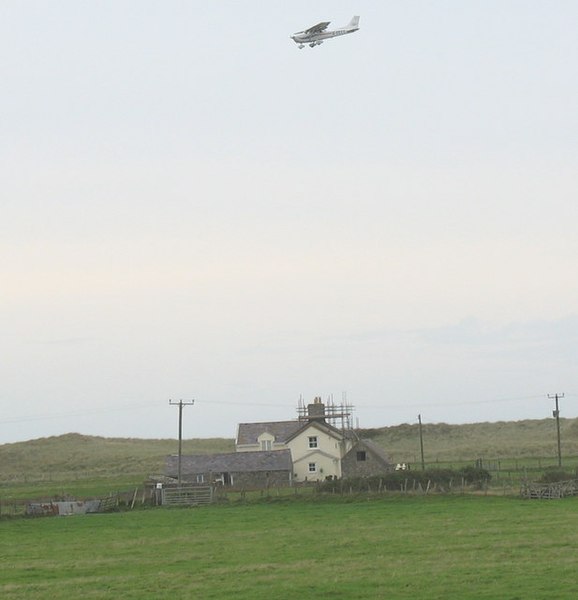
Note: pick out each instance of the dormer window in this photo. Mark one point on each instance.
(266, 445)
(313, 441)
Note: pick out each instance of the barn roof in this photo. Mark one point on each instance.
(232, 462)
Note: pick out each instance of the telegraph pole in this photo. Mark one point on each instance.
(421, 443)
(180, 404)
(556, 413)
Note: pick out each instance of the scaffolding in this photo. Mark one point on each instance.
(337, 415)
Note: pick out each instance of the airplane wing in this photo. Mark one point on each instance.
(318, 28)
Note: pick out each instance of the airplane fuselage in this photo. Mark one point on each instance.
(308, 38)
(316, 35)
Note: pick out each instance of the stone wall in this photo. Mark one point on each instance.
(245, 479)
(352, 464)
(261, 479)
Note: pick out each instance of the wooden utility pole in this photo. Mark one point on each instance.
(421, 443)
(180, 404)
(556, 414)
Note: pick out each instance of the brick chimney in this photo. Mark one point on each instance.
(316, 410)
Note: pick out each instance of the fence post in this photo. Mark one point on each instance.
(134, 498)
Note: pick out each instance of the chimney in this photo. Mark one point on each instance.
(316, 410)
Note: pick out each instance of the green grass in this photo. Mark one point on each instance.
(72, 488)
(394, 547)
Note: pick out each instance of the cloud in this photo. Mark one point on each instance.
(70, 341)
(530, 334)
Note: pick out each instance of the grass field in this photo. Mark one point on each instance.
(80, 466)
(393, 547)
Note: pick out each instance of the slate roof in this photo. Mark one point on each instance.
(322, 425)
(232, 462)
(247, 433)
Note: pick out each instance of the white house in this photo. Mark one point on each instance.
(282, 452)
(317, 447)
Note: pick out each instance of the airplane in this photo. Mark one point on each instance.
(316, 35)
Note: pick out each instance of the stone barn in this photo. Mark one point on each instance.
(239, 469)
(365, 459)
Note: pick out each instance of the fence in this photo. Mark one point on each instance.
(119, 500)
(187, 496)
(549, 491)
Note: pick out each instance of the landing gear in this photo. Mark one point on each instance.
(301, 46)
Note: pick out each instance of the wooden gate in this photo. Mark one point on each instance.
(549, 491)
(187, 495)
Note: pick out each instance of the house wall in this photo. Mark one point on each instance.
(261, 479)
(246, 479)
(325, 466)
(327, 455)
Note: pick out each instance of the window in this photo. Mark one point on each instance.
(200, 478)
(266, 445)
(361, 456)
(312, 468)
(313, 441)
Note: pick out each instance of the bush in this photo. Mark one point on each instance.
(402, 480)
(554, 474)
(476, 476)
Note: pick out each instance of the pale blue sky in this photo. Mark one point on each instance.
(192, 207)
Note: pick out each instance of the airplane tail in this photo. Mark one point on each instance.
(354, 22)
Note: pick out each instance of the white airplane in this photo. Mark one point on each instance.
(316, 35)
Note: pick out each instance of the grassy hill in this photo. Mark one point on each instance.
(86, 456)
(75, 456)
(500, 440)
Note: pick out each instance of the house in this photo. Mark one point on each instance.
(310, 448)
(319, 450)
(255, 469)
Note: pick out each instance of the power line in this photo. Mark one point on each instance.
(456, 403)
(76, 413)
(245, 404)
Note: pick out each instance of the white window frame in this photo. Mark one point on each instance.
(266, 444)
(312, 467)
(313, 441)
(200, 478)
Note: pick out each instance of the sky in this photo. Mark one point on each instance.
(191, 207)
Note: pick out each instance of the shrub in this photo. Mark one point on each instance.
(554, 474)
(400, 480)
(476, 476)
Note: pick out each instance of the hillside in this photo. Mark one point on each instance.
(86, 456)
(89, 456)
(503, 439)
